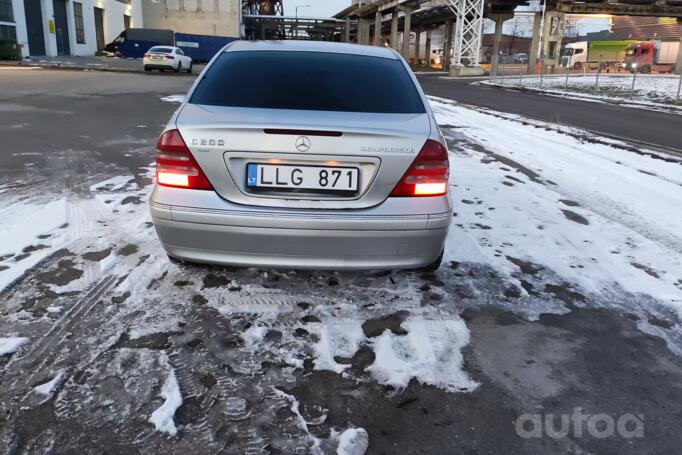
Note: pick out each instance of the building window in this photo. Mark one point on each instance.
(8, 32)
(126, 21)
(78, 16)
(6, 14)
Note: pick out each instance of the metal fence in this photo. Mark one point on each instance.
(517, 75)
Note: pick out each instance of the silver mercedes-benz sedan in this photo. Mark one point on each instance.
(303, 155)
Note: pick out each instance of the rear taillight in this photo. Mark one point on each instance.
(175, 165)
(428, 174)
(169, 57)
(147, 55)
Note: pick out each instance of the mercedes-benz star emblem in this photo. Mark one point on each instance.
(303, 144)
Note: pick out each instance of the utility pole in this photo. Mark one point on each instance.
(296, 19)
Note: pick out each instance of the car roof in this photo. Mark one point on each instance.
(311, 46)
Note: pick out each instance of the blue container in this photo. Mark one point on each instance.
(135, 49)
(201, 48)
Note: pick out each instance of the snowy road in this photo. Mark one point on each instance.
(562, 289)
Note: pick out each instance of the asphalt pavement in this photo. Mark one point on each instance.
(641, 126)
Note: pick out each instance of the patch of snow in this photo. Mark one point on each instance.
(254, 334)
(163, 418)
(11, 345)
(21, 224)
(160, 324)
(173, 98)
(353, 441)
(116, 183)
(430, 352)
(337, 338)
(49, 388)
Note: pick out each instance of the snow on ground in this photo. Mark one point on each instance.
(339, 338)
(115, 183)
(31, 232)
(173, 98)
(430, 352)
(600, 217)
(11, 345)
(163, 417)
(51, 386)
(653, 91)
(353, 441)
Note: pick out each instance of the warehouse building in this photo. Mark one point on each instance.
(66, 27)
(199, 17)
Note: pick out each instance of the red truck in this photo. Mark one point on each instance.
(648, 56)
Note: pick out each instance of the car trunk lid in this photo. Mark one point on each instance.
(225, 140)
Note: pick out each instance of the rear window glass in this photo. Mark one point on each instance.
(166, 50)
(314, 81)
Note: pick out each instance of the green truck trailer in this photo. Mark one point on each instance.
(595, 53)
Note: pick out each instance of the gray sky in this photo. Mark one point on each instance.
(318, 8)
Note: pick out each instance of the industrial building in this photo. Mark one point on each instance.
(200, 17)
(66, 27)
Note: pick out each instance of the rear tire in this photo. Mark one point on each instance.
(577, 66)
(178, 68)
(147, 69)
(175, 261)
(646, 69)
(189, 70)
(435, 265)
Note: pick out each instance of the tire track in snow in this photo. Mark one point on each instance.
(54, 347)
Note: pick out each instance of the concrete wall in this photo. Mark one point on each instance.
(202, 17)
(113, 24)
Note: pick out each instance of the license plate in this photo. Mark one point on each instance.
(291, 177)
(157, 57)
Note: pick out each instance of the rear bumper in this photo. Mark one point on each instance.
(339, 240)
(159, 65)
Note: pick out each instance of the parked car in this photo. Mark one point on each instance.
(521, 58)
(505, 59)
(166, 58)
(279, 158)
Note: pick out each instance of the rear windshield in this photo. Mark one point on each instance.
(313, 81)
(165, 50)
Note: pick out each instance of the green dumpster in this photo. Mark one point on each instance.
(8, 49)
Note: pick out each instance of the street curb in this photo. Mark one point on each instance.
(57, 66)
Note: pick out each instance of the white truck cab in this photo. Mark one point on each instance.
(574, 55)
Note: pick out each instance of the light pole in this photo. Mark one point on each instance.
(541, 50)
(296, 18)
